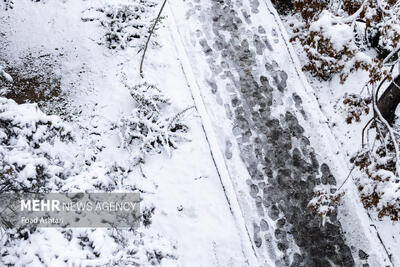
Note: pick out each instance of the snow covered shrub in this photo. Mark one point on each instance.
(146, 129)
(382, 19)
(325, 200)
(26, 126)
(380, 187)
(86, 247)
(35, 156)
(351, 6)
(330, 47)
(356, 106)
(126, 25)
(308, 9)
(337, 37)
(27, 137)
(149, 131)
(148, 96)
(379, 165)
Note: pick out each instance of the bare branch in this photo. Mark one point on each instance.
(390, 130)
(148, 38)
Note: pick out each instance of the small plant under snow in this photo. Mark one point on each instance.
(325, 201)
(380, 185)
(346, 36)
(35, 157)
(126, 25)
(39, 153)
(86, 247)
(27, 142)
(146, 129)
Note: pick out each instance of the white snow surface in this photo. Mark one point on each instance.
(202, 208)
(192, 214)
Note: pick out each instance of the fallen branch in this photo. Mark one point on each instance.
(148, 38)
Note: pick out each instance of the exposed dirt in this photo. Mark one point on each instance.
(36, 79)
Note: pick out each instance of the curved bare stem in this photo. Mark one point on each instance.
(148, 38)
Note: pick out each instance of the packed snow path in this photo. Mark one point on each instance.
(192, 222)
(241, 62)
(266, 129)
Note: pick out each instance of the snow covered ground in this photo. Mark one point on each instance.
(193, 224)
(234, 193)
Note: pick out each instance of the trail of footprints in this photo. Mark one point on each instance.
(283, 165)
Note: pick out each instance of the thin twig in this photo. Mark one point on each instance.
(382, 82)
(178, 116)
(363, 131)
(345, 180)
(148, 38)
(395, 51)
(353, 17)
